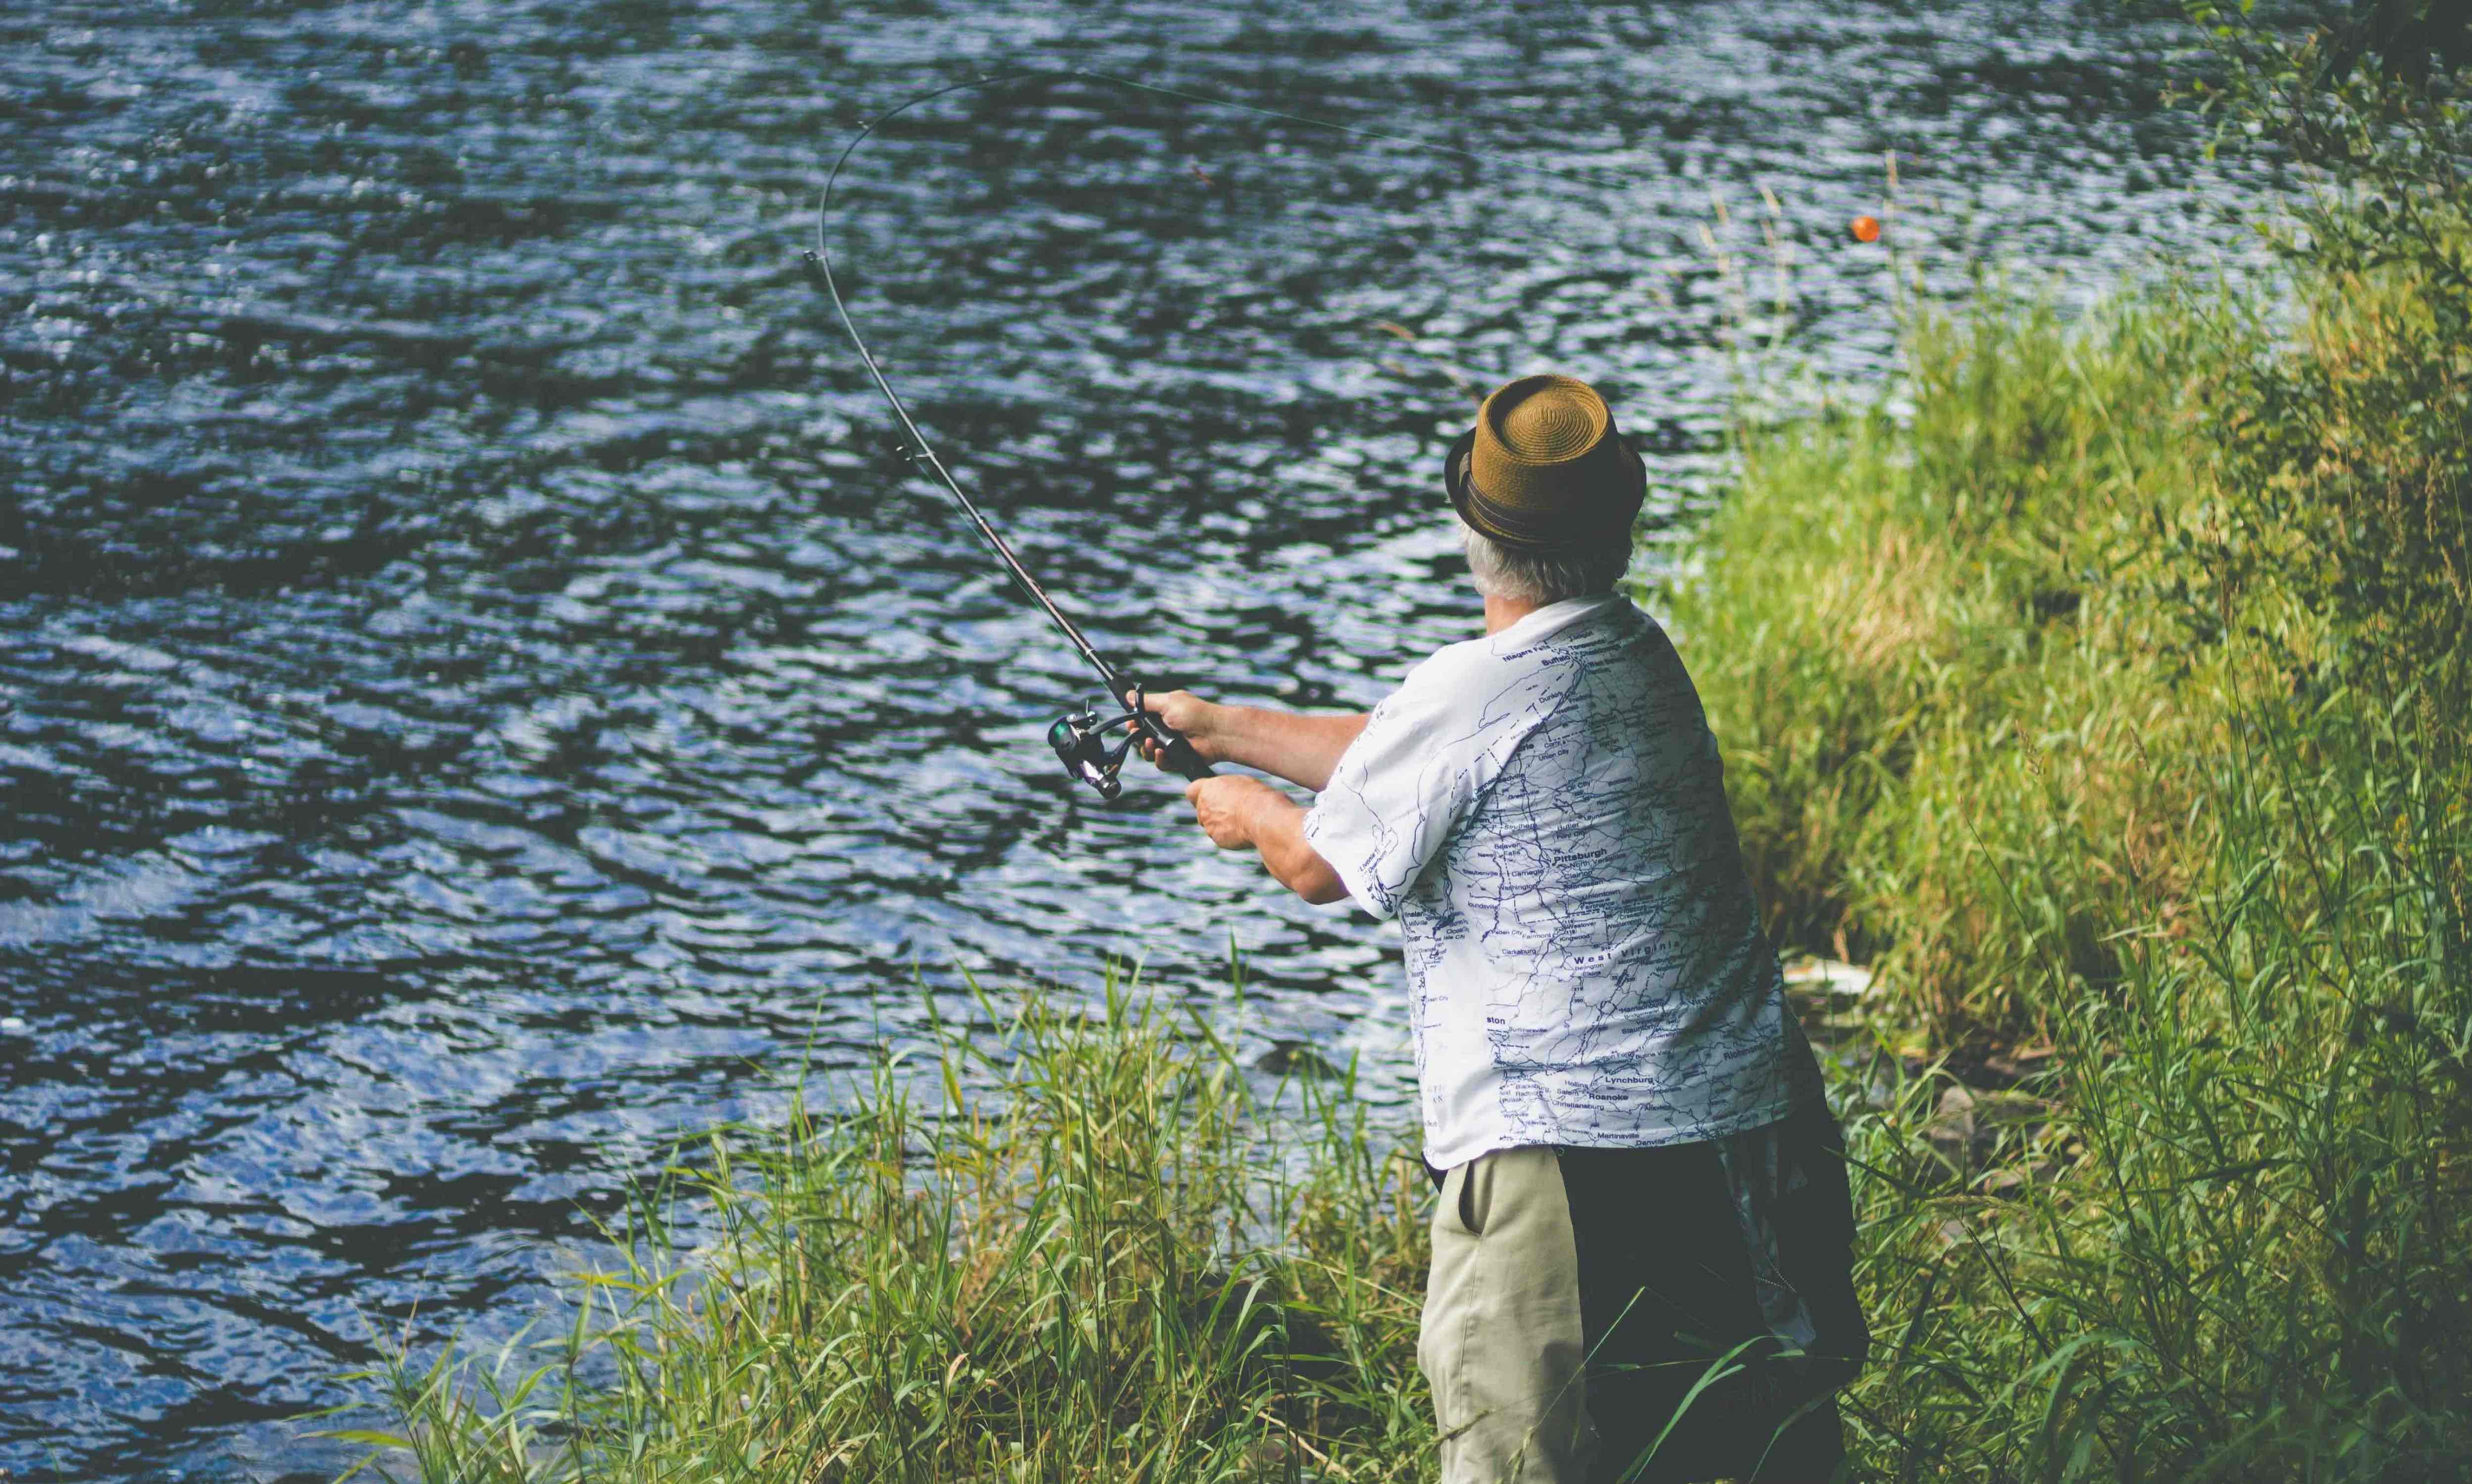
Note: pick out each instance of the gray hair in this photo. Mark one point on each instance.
(1547, 577)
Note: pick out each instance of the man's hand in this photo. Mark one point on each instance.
(1184, 712)
(1302, 749)
(1238, 811)
(1229, 809)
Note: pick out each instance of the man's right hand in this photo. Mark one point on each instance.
(1189, 715)
(1299, 748)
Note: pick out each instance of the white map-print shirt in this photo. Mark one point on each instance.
(1544, 810)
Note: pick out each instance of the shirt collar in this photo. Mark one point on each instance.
(1555, 617)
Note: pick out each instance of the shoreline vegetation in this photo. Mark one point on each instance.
(2109, 703)
(1063, 1242)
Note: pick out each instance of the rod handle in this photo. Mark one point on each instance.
(1180, 759)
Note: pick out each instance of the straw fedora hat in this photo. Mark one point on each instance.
(1545, 468)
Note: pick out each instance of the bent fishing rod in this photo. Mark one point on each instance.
(1081, 740)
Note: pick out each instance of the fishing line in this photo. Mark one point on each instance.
(1080, 739)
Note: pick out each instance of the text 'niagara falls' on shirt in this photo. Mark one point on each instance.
(1544, 810)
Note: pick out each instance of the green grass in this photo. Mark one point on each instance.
(1931, 651)
(2116, 700)
(1104, 1267)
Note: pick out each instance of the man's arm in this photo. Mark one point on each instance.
(1288, 745)
(1239, 811)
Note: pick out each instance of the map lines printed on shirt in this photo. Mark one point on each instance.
(1544, 812)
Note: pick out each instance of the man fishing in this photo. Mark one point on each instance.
(1642, 1192)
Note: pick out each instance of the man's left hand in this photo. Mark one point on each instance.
(1238, 811)
(1226, 808)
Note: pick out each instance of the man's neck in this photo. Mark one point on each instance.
(1500, 613)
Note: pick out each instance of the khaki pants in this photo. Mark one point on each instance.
(1501, 1342)
(1662, 1315)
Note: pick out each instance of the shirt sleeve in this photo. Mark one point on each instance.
(1395, 794)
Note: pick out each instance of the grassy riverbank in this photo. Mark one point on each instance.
(1101, 1269)
(2114, 704)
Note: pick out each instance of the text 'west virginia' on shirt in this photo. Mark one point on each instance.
(1544, 810)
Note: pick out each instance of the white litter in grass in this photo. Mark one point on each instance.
(10, 1024)
(1826, 975)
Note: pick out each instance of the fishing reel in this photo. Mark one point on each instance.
(1082, 746)
(1080, 743)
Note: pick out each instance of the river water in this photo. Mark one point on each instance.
(481, 691)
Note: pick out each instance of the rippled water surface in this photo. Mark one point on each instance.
(480, 688)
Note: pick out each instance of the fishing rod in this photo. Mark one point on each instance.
(1081, 740)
